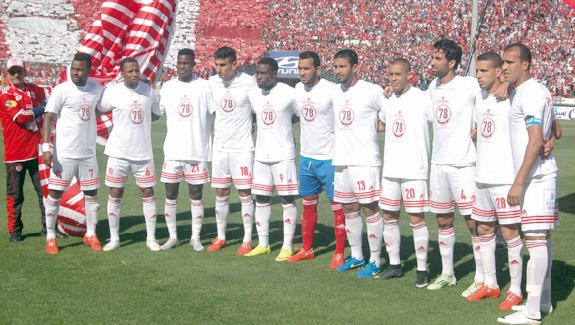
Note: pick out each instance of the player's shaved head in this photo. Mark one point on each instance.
(403, 62)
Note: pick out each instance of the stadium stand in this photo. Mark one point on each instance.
(378, 30)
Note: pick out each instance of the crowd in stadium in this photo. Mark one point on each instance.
(392, 29)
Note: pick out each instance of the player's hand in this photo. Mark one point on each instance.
(474, 134)
(388, 91)
(502, 93)
(47, 156)
(547, 147)
(514, 195)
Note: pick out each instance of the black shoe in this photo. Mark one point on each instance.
(392, 271)
(16, 236)
(44, 232)
(60, 235)
(421, 281)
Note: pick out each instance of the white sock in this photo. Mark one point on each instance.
(51, 207)
(197, 209)
(354, 230)
(263, 214)
(170, 212)
(487, 250)
(375, 237)
(290, 223)
(536, 270)
(149, 208)
(91, 207)
(479, 274)
(113, 208)
(392, 238)
(247, 216)
(222, 209)
(515, 261)
(421, 244)
(546, 293)
(446, 240)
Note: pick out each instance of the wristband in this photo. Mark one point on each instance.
(46, 147)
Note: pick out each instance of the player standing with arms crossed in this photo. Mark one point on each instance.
(73, 103)
(134, 106)
(535, 186)
(404, 177)
(188, 144)
(233, 155)
(314, 96)
(274, 105)
(357, 161)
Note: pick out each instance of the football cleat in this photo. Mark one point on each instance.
(111, 245)
(245, 248)
(302, 255)
(443, 281)
(421, 279)
(510, 301)
(472, 289)
(350, 264)
(546, 308)
(170, 243)
(520, 317)
(52, 246)
(259, 250)
(284, 255)
(484, 292)
(196, 244)
(369, 271)
(153, 245)
(336, 261)
(93, 242)
(217, 244)
(392, 271)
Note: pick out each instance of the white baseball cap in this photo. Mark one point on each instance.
(14, 62)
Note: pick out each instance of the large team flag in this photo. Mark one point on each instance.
(570, 3)
(140, 29)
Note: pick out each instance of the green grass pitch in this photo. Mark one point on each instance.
(135, 286)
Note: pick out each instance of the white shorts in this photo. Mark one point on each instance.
(117, 172)
(282, 175)
(491, 205)
(232, 166)
(65, 169)
(449, 185)
(413, 192)
(356, 184)
(193, 172)
(539, 205)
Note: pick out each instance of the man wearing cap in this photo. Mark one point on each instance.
(21, 106)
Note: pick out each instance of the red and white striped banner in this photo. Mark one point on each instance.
(140, 29)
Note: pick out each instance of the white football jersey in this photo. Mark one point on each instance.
(188, 119)
(315, 109)
(494, 161)
(233, 124)
(531, 99)
(355, 124)
(407, 142)
(75, 108)
(274, 111)
(132, 115)
(453, 105)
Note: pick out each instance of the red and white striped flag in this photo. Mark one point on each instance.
(141, 29)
